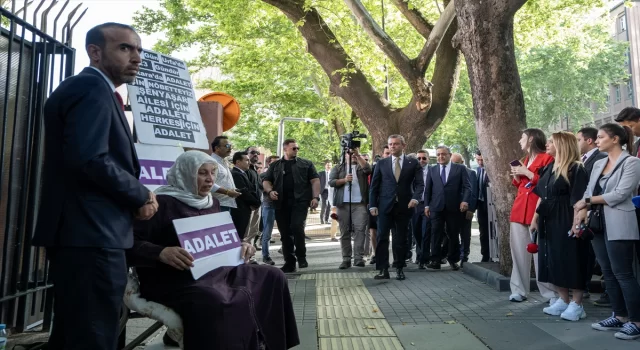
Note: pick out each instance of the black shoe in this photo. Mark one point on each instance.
(344, 265)
(288, 268)
(454, 266)
(372, 260)
(167, 340)
(268, 261)
(433, 266)
(302, 264)
(444, 261)
(359, 263)
(382, 275)
(272, 241)
(487, 259)
(603, 301)
(421, 266)
(400, 274)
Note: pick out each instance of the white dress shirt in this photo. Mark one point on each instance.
(446, 171)
(225, 180)
(393, 163)
(589, 154)
(113, 87)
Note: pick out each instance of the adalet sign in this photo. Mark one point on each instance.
(155, 161)
(165, 110)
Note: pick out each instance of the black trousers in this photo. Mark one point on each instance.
(483, 222)
(89, 285)
(446, 223)
(465, 237)
(397, 221)
(421, 233)
(325, 207)
(291, 218)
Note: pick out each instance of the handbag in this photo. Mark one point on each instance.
(595, 219)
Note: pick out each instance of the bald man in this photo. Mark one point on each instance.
(465, 229)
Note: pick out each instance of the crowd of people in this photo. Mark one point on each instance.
(574, 198)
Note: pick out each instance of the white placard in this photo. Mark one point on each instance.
(165, 110)
(155, 161)
(211, 239)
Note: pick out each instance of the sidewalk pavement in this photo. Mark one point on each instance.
(443, 310)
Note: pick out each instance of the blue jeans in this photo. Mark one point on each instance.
(268, 218)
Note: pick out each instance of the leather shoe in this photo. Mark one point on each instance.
(421, 266)
(454, 266)
(372, 260)
(345, 265)
(302, 264)
(382, 275)
(433, 266)
(288, 268)
(399, 274)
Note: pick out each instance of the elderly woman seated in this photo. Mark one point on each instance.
(241, 307)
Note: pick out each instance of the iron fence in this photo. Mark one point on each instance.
(32, 63)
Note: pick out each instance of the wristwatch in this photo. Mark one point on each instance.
(317, 198)
(588, 201)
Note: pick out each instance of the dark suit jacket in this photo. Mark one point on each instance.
(473, 198)
(447, 197)
(323, 181)
(588, 164)
(384, 189)
(242, 214)
(90, 179)
(485, 186)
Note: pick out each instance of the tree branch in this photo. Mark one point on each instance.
(382, 40)
(435, 38)
(346, 80)
(415, 17)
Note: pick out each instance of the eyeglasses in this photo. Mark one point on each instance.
(228, 145)
(295, 148)
(255, 152)
(422, 158)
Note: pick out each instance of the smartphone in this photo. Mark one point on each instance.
(515, 163)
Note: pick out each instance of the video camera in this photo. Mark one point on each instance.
(348, 142)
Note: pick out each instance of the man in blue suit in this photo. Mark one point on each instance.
(465, 230)
(91, 193)
(446, 198)
(396, 188)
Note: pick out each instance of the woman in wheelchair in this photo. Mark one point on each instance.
(242, 307)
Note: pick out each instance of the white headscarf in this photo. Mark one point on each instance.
(182, 178)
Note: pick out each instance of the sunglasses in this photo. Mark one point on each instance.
(422, 158)
(295, 148)
(228, 145)
(255, 152)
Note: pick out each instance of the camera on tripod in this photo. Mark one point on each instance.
(349, 141)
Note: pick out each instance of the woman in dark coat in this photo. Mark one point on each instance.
(562, 260)
(246, 307)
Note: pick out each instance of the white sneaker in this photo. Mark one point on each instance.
(556, 309)
(515, 297)
(574, 312)
(553, 301)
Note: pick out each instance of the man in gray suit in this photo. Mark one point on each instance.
(465, 227)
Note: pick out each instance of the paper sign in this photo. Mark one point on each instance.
(211, 239)
(155, 161)
(165, 110)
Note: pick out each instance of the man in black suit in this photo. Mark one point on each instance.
(446, 199)
(421, 223)
(482, 209)
(325, 207)
(91, 192)
(253, 231)
(248, 200)
(465, 229)
(590, 154)
(396, 188)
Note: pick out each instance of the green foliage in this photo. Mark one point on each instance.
(565, 55)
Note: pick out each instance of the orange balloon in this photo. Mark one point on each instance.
(230, 108)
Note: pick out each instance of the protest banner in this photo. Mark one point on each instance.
(155, 161)
(165, 110)
(211, 239)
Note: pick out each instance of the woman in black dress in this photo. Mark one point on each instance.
(245, 307)
(562, 259)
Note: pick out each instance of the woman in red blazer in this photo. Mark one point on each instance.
(525, 178)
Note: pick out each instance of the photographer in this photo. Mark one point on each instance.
(351, 197)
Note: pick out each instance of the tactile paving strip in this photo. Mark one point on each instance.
(344, 275)
(355, 328)
(350, 290)
(349, 312)
(339, 283)
(345, 300)
(307, 276)
(378, 343)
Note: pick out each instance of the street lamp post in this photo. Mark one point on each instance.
(281, 128)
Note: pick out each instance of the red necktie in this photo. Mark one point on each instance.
(119, 97)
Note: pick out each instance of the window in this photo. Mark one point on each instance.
(629, 90)
(622, 23)
(618, 96)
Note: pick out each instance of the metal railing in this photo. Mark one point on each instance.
(32, 63)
